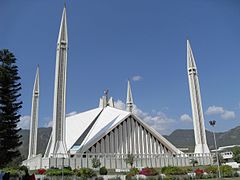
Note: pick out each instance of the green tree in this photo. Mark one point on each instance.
(9, 108)
(194, 162)
(130, 159)
(96, 162)
(236, 154)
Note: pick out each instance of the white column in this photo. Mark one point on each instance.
(116, 133)
(196, 103)
(58, 144)
(34, 118)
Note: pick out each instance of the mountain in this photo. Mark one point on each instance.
(184, 138)
(181, 138)
(42, 140)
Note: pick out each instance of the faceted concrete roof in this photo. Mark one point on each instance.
(95, 124)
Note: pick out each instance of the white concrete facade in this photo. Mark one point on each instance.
(128, 130)
(111, 130)
(32, 152)
(196, 103)
(57, 143)
(117, 161)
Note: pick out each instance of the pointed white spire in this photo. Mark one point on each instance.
(57, 146)
(196, 103)
(190, 59)
(111, 102)
(129, 102)
(63, 35)
(34, 118)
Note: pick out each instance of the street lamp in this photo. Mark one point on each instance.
(213, 123)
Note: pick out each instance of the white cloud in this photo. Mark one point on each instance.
(214, 110)
(185, 118)
(24, 122)
(159, 121)
(119, 104)
(48, 124)
(156, 119)
(71, 113)
(49, 121)
(136, 78)
(224, 114)
(228, 115)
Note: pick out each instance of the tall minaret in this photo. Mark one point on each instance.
(129, 102)
(197, 112)
(58, 144)
(34, 118)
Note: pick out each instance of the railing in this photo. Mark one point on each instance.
(118, 161)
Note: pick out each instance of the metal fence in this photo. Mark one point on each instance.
(118, 161)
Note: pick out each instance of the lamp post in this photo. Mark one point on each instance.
(213, 123)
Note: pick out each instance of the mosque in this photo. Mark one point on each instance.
(108, 132)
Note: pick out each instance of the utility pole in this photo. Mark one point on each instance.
(213, 123)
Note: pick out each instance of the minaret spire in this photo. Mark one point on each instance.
(129, 101)
(34, 118)
(196, 103)
(57, 146)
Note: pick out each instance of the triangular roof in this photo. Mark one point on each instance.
(105, 120)
(77, 124)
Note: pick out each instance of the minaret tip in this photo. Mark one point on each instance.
(188, 43)
(65, 4)
(190, 58)
(129, 101)
(63, 36)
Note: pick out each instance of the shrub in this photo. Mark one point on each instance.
(129, 176)
(130, 159)
(13, 172)
(211, 169)
(170, 170)
(227, 171)
(236, 154)
(23, 168)
(132, 173)
(199, 173)
(103, 171)
(68, 167)
(236, 174)
(96, 162)
(41, 171)
(148, 172)
(59, 172)
(86, 173)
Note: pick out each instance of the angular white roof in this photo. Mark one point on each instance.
(95, 124)
(77, 124)
(108, 119)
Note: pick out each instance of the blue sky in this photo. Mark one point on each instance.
(111, 41)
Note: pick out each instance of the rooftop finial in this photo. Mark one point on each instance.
(129, 102)
(106, 91)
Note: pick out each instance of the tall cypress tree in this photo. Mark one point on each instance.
(9, 108)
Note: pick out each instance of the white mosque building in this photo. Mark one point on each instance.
(107, 132)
